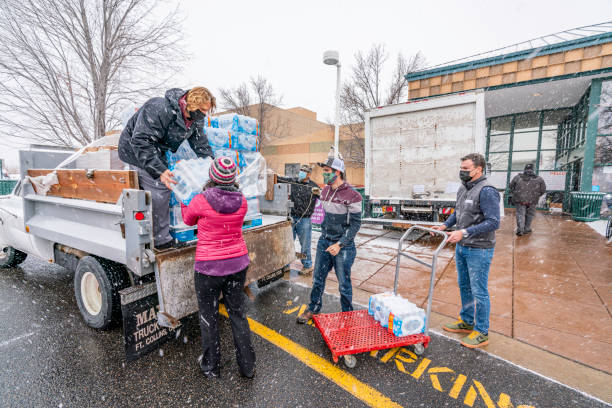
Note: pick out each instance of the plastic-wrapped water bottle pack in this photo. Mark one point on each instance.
(236, 123)
(191, 176)
(400, 316)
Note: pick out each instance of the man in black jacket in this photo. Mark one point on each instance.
(304, 194)
(525, 191)
(162, 124)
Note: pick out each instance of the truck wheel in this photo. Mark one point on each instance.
(11, 257)
(97, 283)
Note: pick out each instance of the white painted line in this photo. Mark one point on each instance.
(23, 336)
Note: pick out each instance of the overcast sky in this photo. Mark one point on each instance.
(284, 40)
(231, 41)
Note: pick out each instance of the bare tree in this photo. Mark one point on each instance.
(67, 67)
(366, 89)
(259, 100)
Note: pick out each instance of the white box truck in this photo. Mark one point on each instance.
(413, 153)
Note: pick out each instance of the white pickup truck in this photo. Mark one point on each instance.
(413, 152)
(109, 246)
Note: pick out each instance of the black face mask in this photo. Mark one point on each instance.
(196, 115)
(464, 175)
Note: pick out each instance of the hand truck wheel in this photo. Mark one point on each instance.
(419, 349)
(350, 361)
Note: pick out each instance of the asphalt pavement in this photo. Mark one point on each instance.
(50, 358)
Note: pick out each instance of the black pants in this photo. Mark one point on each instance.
(208, 289)
(160, 201)
(524, 215)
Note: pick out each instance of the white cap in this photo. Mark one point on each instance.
(334, 160)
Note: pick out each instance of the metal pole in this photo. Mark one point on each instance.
(337, 120)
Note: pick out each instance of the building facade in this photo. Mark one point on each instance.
(302, 139)
(547, 103)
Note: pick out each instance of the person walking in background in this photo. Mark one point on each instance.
(304, 194)
(161, 125)
(476, 218)
(525, 192)
(221, 263)
(336, 245)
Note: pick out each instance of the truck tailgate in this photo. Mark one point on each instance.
(270, 248)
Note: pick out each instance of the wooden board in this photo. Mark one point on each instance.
(270, 249)
(105, 186)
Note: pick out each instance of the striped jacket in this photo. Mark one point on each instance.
(342, 214)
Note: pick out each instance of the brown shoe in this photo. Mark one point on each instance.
(306, 271)
(304, 317)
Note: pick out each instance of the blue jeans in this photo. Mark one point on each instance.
(342, 264)
(473, 274)
(303, 230)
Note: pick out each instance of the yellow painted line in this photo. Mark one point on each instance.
(457, 386)
(344, 380)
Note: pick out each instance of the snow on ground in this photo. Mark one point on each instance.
(599, 226)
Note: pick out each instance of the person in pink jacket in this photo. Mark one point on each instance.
(221, 264)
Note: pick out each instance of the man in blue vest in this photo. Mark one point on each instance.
(476, 218)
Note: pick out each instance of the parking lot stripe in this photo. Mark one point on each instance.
(346, 381)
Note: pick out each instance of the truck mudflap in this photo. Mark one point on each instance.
(271, 249)
(142, 332)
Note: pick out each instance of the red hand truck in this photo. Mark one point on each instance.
(348, 333)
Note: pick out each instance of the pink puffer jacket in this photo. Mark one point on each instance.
(219, 215)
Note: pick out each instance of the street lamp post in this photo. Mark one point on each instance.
(332, 57)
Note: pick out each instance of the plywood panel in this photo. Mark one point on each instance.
(104, 186)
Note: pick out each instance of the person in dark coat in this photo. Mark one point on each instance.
(221, 263)
(525, 191)
(161, 125)
(304, 194)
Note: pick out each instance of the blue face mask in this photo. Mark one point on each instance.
(302, 175)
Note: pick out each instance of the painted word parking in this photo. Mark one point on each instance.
(443, 379)
(447, 374)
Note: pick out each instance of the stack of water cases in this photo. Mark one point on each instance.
(231, 135)
(237, 136)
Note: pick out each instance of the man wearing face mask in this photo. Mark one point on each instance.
(162, 124)
(336, 246)
(476, 218)
(304, 194)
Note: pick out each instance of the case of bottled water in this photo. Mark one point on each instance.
(220, 138)
(228, 121)
(237, 123)
(408, 323)
(397, 314)
(375, 300)
(191, 176)
(246, 142)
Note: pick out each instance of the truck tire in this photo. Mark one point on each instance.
(97, 283)
(11, 257)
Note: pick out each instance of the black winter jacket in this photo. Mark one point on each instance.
(158, 126)
(301, 196)
(527, 188)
